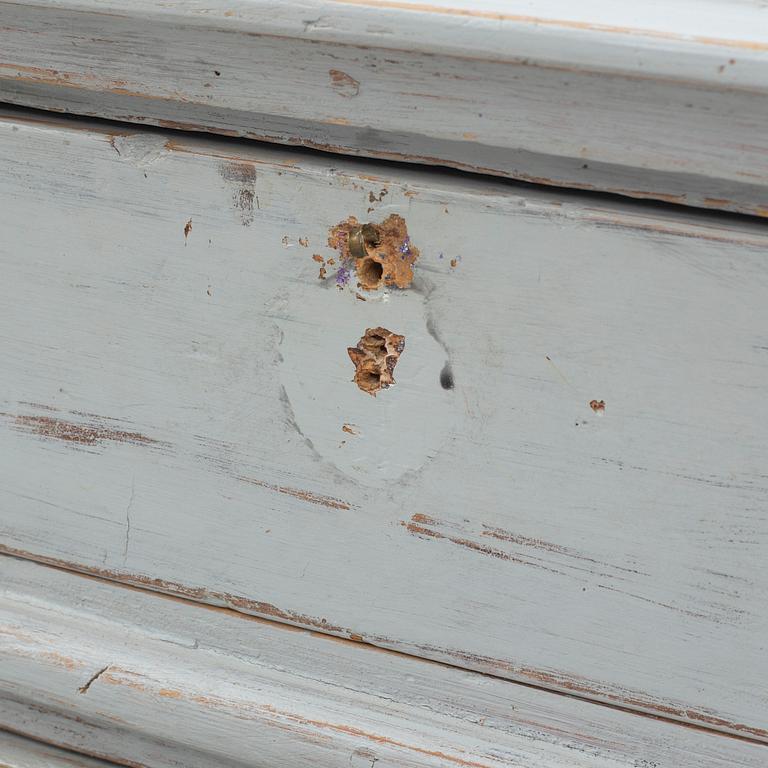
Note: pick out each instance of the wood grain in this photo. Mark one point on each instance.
(649, 102)
(18, 752)
(174, 409)
(147, 680)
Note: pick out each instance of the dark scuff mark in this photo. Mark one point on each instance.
(187, 230)
(290, 419)
(377, 198)
(446, 377)
(39, 406)
(242, 176)
(91, 433)
(668, 606)
(127, 541)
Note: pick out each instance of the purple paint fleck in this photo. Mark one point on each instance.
(344, 272)
(406, 246)
(441, 255)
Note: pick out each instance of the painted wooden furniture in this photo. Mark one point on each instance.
(226, 541)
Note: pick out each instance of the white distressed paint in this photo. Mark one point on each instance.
(658, 100)
(163, 682)
(18, 752)
(617, 558)
(394, 433)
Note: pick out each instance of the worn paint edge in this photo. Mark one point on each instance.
(550, 682)
(348, 150)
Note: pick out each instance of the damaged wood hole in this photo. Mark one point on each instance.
(379, 254)
(375, 358)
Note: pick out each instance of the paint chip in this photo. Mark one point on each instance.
(598, 406)
(345, 85)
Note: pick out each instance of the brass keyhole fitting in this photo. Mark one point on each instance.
(360, 237)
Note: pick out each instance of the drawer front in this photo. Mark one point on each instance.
(565, 485)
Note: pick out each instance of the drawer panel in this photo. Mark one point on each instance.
(566, 485)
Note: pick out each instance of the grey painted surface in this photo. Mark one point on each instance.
(162, 682)
(653, 99)
(19, 752)
(173, 410)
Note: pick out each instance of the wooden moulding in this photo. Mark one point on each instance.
(147, 681)
(594, 96)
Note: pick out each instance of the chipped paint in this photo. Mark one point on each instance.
(309, 496)
(456, 533)
(91, 433)
(345, 85)
(424, 531)
(242, 177)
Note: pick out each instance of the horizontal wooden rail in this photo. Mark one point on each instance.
(660, 102)
(146, 680)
